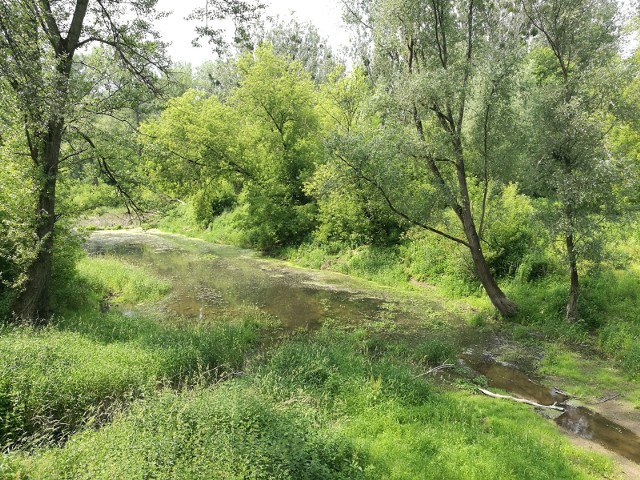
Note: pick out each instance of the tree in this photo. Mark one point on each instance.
(572, 86)
(40, 39)
(439, 65)
(349, 210)
(298, 42)
(39, 45)
(263, 140)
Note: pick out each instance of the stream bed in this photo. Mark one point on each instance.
(208, 280)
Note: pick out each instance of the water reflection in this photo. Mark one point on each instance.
(208, 279)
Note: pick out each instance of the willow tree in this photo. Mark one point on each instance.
(40, 40)
(440, 68)
(573, 84)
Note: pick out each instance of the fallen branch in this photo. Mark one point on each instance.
(520, 400)
(436, 369)
(606, 399)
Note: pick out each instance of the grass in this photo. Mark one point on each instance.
(126, 284)
(228, 431)
(319, 406)
(76, 372)
(223, 229)
(410, 429)
(588, 378)
(57, 379)
(140, 397)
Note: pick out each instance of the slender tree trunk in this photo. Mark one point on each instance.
(574, 285)
(33, 302)
(503, 304)
(500, 301)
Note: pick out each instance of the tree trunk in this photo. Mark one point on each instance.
(33, 302)
(574, 285)
(503, 304)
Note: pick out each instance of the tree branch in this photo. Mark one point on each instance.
(392, 206)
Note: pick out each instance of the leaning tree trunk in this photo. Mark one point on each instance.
(33, 301)
(500, 301)
(574, 285)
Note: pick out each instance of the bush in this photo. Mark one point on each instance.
(436, 260)
(621, 341)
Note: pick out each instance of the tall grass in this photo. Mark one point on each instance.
(226, 432)
(408, 429)
(78, 370)
(57, 379)
(123, 282)
(321, 407)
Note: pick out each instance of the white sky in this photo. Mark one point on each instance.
(326, 15)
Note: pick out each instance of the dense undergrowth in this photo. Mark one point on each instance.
(86, 365)
(108, 395)
(319, 406)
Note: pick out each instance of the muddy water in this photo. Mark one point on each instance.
(208, 280)
(578, 421)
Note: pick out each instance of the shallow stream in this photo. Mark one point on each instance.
(208, 280)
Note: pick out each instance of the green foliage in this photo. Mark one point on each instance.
(433, 260)
(225, 432)
(57, 379)
(16, 199)
(69, 291)
(514, 236)
(257, 150)
(621, 341)
(347, 215)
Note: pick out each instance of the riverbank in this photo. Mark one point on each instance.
(349, 398)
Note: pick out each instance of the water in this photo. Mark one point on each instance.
(578, 421)
(209, 280)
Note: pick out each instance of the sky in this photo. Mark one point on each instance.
(326, 15)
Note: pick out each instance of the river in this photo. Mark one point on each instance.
(210, 280)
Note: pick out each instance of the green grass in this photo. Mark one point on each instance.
(587, 378)
(409, 429)
(319, 406)
(56, 379)
(126, 284)
(78, 370)
(228, 432)
(223, 229)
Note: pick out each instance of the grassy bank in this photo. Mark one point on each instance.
(610, 306)
(108, 395)
(320, 406)
(86, 365)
